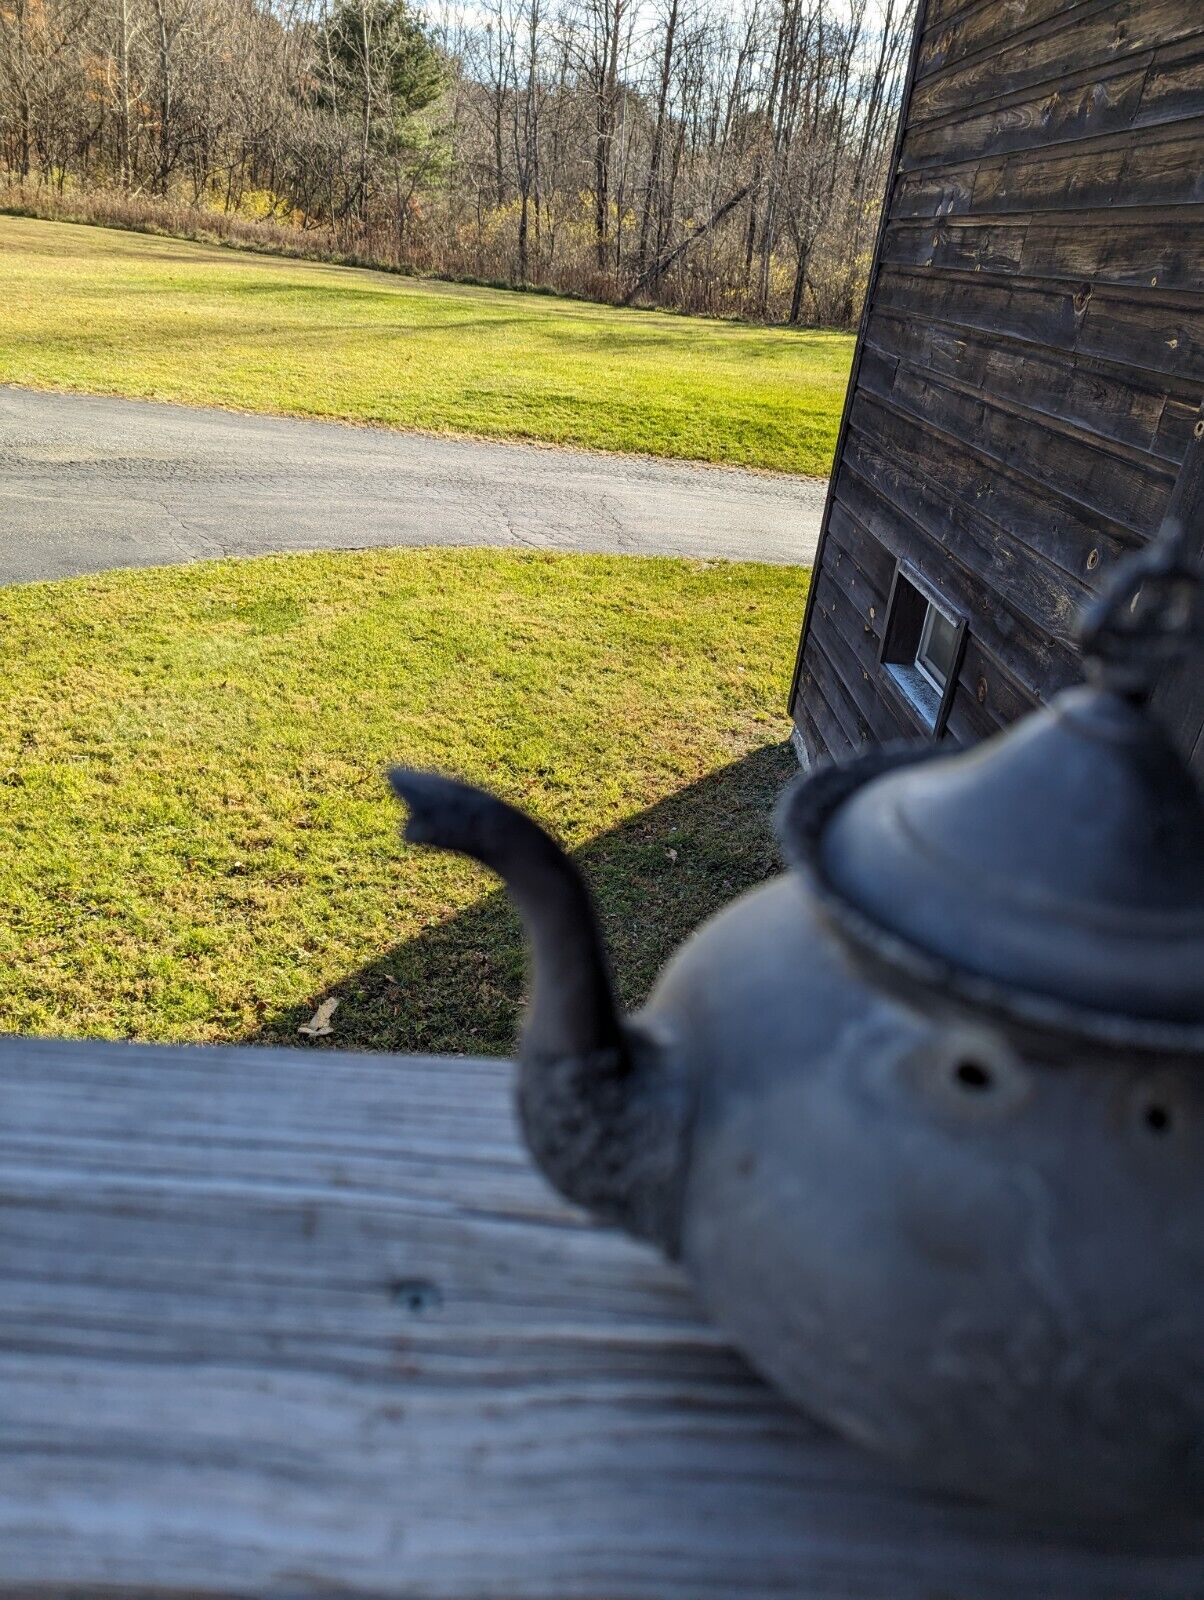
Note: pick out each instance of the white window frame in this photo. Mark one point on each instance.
(924, 665)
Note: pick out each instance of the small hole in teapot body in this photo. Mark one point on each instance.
(972, 1075)
(1162, 1115)
(1158, 1118)
(970, 1072)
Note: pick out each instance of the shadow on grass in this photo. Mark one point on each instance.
(457, 986)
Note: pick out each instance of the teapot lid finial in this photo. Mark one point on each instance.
(1149, 613)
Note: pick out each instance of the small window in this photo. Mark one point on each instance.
(921, 649)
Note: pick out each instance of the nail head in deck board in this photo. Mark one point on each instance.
(1031, 358)
(210, 1386)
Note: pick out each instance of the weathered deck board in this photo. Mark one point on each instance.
(282, 1323)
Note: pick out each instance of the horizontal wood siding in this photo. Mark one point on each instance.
(1031, 359)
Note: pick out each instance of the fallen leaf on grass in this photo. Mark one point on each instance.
(319, 1024)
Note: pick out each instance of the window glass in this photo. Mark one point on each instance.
(938, 645)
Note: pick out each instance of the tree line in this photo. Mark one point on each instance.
(719, 156)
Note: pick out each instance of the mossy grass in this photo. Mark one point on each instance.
(196, 841)
(109, 312)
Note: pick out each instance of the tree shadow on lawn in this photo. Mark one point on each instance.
(457, 987)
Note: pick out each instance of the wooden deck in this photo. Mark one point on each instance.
(299, 1323)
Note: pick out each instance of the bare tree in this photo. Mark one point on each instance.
(724, 156)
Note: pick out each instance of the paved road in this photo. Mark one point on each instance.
(89, 483)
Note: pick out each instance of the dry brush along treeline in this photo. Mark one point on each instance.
(720, 156)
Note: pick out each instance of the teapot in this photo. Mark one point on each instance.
(923, 1117)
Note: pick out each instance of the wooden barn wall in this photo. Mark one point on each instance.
(1031, 357)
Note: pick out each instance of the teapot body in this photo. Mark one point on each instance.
(927, 1136)
(982, 1263)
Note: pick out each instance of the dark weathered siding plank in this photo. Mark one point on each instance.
(866, 597)
(1104, 105)
(1046, 551)
(1157, 87)
(987, 697)
(981, 25)
(815, 745)
(1174, 88)
(1106, 483)
(1114, 408)
(822, 727)
(872, 561)
(967, 722)
(836, 687)
(1151, 335)
(1156, 251)
(1102, 174)
(992, 687)
(1150, 338)
(1049, 119)
(959, 247)
(1084, 177)
(1144, 249)
(1045, 316)
(1069, 38)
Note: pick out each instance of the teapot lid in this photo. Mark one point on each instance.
(1055, 872)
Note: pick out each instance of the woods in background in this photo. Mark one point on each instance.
(719, 156)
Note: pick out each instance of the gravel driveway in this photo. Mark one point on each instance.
(89, 483)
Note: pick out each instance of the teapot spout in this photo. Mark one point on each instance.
(601, 1107)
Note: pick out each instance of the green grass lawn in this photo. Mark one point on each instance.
(122, 313)
(195, 838)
